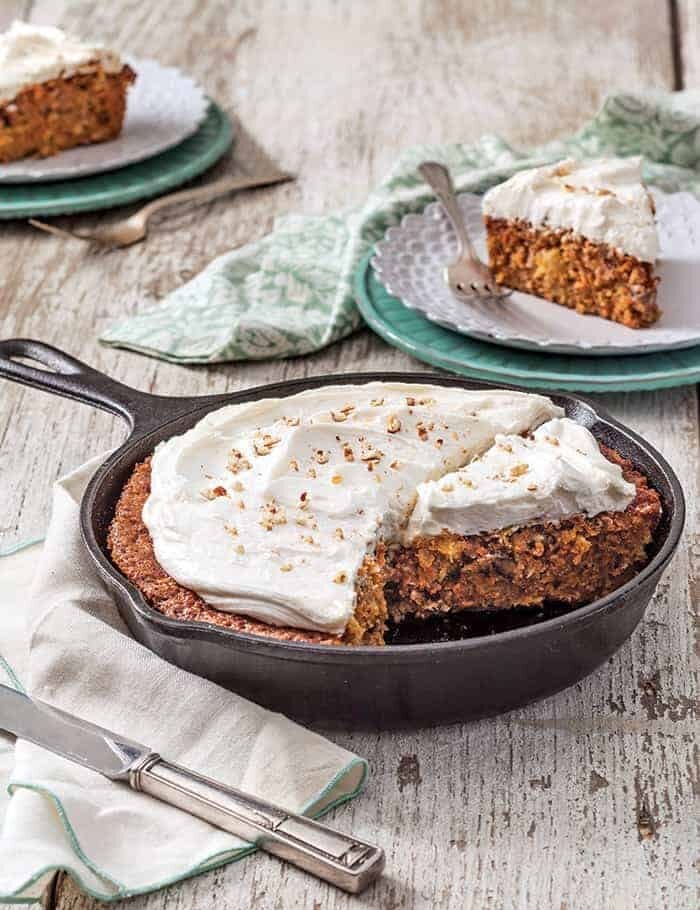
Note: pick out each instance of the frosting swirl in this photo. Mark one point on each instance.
(603, 200)
(557, 472)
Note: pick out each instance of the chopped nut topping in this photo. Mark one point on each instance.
(427, 401)
(447, 488)
(506, 446)
(293, 465)
(264, 444)
(532, 487)
(336, 479)
(215, 493)
(320, 456)
(467, 482)
(238, 486)
(240, 549)
(393, 424)
(291, 421)
(307, 538)
(302, 521)
(272, 514)
(519, 469)
(287, 567)
(231, 530)
(342, 413)
(348, 453)
(341, 578)
(411, 402)
(339, 534)
(240, 504)
(237, 462)
(395, 465)
(422, 431)
(312, 472)
(377, 402)
(371, 456)
(439, 443)
(304, 500)
(552, 440)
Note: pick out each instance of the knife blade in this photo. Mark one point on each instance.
(347, 862)
(80, 741)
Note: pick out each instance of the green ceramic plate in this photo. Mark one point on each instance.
(128, 184)
(410, 332)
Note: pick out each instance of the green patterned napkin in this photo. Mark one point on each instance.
(291, 292)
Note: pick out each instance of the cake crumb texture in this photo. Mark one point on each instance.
(568, 269)
(573, 562)
(49, 117)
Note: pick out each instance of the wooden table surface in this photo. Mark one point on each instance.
(581, 801)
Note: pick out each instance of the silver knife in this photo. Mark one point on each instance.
(343, 861)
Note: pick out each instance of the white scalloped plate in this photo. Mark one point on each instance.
(409, 263)
(164, 107)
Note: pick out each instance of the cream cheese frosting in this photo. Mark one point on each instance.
(33, 53)
(557, 472)
(603, 200)
(269, 508)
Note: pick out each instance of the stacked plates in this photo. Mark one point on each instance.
(171, 133)
(525, 340)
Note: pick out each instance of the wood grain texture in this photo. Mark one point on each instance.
(687, 13)
(582, 801)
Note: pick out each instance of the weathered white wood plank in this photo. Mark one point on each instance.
(582, 801)
(689, 42)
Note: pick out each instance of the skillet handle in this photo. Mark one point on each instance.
(69, 377)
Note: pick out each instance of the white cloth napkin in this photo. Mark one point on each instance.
(62, 638)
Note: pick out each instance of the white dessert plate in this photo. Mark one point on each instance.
(164, 107)
(409, 262)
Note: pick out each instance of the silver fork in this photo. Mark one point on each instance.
(133, 229)
(467, 277)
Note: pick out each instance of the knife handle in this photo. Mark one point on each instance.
(343, 861)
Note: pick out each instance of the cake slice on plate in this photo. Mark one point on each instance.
(57, 92)
(578, 233)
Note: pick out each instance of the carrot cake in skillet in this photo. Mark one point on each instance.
(57, 92)
(325, 516)
(581, 234)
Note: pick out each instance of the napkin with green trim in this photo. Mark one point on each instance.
(291, 292)
(62, 638)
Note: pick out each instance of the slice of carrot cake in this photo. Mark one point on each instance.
(579, 233)
(57, 92)
(324, 516)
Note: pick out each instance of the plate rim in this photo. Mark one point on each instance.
(66, 202)
(645, 382)
(536, 347)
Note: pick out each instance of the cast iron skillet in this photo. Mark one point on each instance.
(433, 682)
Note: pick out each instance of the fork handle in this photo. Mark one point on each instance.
(212, 191)
(438, 177)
